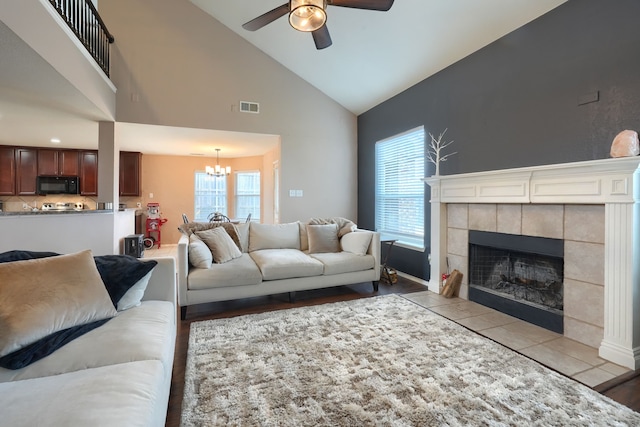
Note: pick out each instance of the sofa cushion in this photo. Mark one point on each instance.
(274, 236)
(223, 249)
(199, 253)
(323, 238)
(127, 394)
(41, 296)
(357, 242)
(120, 272)
(238, 272)
(304, 238)
(133, 297)
(344, 262)
(145, 332)
(286, 263)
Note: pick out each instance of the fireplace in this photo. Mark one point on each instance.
(518, 275)
(594, 206)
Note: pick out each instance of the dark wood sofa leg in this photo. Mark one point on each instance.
(292, 297)
(183, 312)
(375, 285)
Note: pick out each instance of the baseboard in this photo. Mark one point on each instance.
(413, 278)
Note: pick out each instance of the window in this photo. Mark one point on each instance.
(248, 195)
(400, 168)
(210, 196)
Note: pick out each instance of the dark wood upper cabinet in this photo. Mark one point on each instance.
(26, 171)
(7, 171)
(88, 173)
(130, 166)
(68, 163)
(58, 162)
(47, 162)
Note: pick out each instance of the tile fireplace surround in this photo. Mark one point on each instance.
(594, 206)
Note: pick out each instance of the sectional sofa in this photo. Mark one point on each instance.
(117, 374)
(219, 262)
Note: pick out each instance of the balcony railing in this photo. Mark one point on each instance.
(84, 20)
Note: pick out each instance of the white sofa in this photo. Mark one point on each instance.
(273, 260)
(118, 374)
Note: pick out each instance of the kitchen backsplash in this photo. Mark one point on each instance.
(17, 203)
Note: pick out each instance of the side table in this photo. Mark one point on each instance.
(385, 270)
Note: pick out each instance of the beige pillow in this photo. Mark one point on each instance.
(41, 296)
(304, 238)
(357, 242)
(199, 253)
(192, 227)
(219, 242)
(274, 236)
(243, 235)
(323, 238)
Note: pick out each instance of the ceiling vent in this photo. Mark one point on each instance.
(249, 107)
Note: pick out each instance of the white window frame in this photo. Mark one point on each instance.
(400, 189)
(242, 212)
(210, 195)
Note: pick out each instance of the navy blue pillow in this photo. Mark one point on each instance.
(121, 272)
(23, 255)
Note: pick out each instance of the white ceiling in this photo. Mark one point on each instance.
(374, 56)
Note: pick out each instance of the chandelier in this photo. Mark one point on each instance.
(217, 170)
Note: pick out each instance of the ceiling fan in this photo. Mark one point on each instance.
(310, 16)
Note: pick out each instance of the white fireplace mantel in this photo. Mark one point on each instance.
(614, 183)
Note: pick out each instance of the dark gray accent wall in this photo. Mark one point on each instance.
(519, 101)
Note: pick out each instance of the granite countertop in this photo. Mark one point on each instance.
(54, 212)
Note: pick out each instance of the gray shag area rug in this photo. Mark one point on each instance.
(376, 361)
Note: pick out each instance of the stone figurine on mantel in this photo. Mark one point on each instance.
(434, 151)
(625, 144)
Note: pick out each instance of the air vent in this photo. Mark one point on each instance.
(249, 107)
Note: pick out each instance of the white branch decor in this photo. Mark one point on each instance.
(434, 151)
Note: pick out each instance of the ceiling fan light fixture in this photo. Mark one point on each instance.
(307, 15)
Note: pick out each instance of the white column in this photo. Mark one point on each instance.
(621, 342)
(438, 255)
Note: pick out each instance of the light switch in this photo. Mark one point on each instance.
(298, 193)
(292, 193)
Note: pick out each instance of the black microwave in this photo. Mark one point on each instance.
(57, 185)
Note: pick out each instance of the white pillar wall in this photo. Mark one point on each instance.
(614, 183)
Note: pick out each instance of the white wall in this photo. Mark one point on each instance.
(175, 65)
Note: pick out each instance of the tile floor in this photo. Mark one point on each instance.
(551, 349)
(566, 356)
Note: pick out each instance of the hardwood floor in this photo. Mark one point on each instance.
(625, 390)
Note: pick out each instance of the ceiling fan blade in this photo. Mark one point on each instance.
(266, 18)
(382, 5)
(321, 37)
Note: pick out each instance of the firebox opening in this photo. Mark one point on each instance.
(519, 275)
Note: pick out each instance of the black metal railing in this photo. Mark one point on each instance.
(83, 19)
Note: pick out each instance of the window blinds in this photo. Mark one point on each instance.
(400, 168)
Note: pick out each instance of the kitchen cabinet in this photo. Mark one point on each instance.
(7, 171)
(26, 171)
(130, 167)
(88, 173)
(57, 162)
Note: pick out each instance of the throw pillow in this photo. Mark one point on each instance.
(304, 238)
(274, 236)
(120, 272)
(323, 238)
(357, 242)
(133, 297)
(19, 255)
(230, 228)
(344, 225)
(199, 253)
(41, 296)
(222, 246)
(243, 234)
